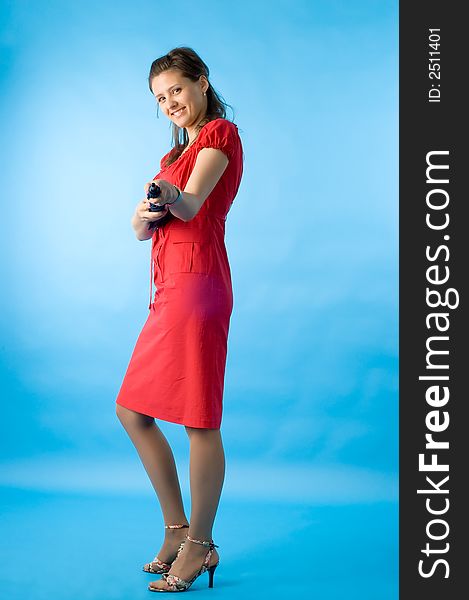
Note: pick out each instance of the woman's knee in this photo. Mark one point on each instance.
(130, 418)
(201, 431)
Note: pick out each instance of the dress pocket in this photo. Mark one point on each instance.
(180, 257)
(188, 252)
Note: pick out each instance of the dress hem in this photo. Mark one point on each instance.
(165, 416)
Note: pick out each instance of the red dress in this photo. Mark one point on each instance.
(177, 369)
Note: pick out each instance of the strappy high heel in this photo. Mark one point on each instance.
(176, 584)
(157, 566)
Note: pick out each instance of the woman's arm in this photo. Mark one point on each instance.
(208, 169)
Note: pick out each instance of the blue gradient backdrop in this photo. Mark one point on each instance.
(310, 421)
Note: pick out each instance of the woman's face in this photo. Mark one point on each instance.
(181, 99)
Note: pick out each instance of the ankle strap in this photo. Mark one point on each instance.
(208, 543)
(175, 526)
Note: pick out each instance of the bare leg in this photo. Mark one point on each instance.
(207, 472)
(158, 460)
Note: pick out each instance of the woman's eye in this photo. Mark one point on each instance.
(162, 97)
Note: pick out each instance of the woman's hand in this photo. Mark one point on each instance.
(144, 215)
(168, 192)
(142, 211)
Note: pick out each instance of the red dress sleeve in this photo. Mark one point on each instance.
(221, 134)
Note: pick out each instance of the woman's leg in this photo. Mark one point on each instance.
(207, 472)
(158, 460)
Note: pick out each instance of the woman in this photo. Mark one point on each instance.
(176, 372)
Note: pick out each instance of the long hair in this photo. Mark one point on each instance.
(189, 63)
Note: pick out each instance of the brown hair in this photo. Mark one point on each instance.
(189, 63)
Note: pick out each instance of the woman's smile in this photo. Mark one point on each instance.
(178, 112)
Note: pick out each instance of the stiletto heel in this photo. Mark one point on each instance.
(157, 566)
(211, 572)
(177, 584)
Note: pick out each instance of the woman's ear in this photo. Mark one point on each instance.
(205, 84)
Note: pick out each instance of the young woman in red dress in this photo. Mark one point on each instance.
(176, 371)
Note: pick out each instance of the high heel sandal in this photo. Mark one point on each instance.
(176, 584)
(157, 566)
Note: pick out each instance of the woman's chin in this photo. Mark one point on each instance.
(181, 120)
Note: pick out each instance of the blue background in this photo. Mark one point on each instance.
(310, 422)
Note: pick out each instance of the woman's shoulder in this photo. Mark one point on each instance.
(220, 133)
(220, 124)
